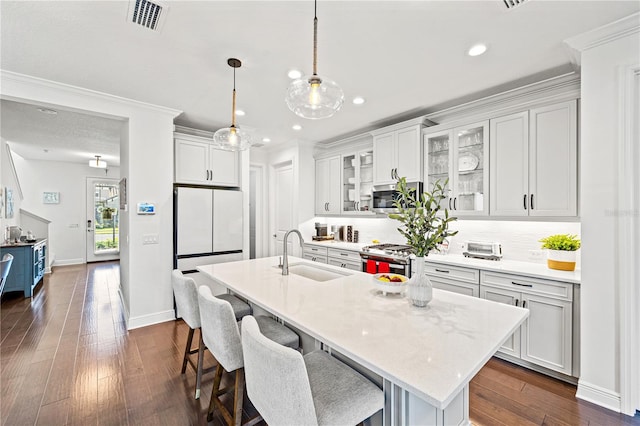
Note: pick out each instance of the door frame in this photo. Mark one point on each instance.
(90, 181)
(261, 204)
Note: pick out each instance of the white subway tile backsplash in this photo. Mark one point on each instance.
(518, 238)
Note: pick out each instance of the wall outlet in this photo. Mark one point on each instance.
(536, 254)
(150, 239)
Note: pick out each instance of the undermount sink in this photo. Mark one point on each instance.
(315, 273)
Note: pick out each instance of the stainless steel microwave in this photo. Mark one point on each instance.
(384, 197)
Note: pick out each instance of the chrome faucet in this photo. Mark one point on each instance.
(285, 258)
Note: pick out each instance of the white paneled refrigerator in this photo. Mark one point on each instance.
(207, 229)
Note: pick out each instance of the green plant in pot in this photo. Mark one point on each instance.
(425, 224)
(561, 252)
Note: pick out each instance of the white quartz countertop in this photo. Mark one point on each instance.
(529, 269)
(432, 352)
(340, 245)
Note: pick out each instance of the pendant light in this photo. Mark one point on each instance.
(98, 163)
(232, 138)
(311, 96)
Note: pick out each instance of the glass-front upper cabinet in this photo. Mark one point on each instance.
(461, 156)
(357, 182)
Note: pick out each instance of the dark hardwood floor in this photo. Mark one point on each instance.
(67, 358)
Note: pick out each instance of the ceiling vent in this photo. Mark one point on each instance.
(146, 14)
(513, 3)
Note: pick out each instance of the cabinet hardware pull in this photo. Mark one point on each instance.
(517, 302)
(391, 173)
(328, 204)
(531, 202)
(524, 303)
(210, 174)
(344, 254)
(449, 203)
(524, 201)
(521, 285)
(455, 203)
(442, 270)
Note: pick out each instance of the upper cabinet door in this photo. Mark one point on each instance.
(385, 158)
(438, 163)
(328, 189)
(553, 160)
(408, 154)
(509, 141)
(191, 162)
(223, 166)
(471, 169)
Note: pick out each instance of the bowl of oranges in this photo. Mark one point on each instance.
(390, 283)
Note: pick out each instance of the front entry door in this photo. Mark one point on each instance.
(102, 220)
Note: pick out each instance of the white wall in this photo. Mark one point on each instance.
(67, 230)
(7, 180)
(602, 59)
(146, 161)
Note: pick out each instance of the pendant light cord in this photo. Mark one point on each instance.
(233, 106)
(315, 38)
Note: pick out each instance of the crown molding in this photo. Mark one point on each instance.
(8, 77)
(602, 35)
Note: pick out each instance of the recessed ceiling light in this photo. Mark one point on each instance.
(48, 111)
(293, 74)
(240, 112)
(296, 127)
(358, 100)
(266, 140)
(477, 50)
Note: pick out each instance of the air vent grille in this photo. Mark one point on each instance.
(513, 3)
(146, 14)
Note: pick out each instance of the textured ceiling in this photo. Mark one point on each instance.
(405, 57)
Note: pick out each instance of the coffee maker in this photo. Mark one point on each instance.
(321, 232)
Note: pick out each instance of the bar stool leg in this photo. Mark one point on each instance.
(214, 392)
(200, 361)
(238, 397)
(187, 351)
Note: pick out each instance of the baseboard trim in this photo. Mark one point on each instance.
(598, 395)
(64, 262)
(150, 319)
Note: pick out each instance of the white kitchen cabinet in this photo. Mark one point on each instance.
(328, 186)
(545, 338)
(461, 157)
(198, 162)
(314, 253)
(357, 182)
(345, 259)
(454, 278)
(533, 164)
(397, 153)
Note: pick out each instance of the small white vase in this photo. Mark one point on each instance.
(420, 289)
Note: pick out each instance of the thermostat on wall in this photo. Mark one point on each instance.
(146, 208)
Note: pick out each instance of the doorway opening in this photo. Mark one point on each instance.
(103, 219)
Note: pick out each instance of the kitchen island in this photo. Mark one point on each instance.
(424, 357)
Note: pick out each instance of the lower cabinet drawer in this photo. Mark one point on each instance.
(314, 250)
(459, 287)
(345, 255)
(529, 285)
(469, 275)
(314, 257)
(346, 264)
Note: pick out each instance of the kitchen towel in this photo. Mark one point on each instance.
(383, 267)
(371, 267)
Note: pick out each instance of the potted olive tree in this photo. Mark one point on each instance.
(561, 252)
(424, 226)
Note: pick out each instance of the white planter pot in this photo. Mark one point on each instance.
(561, 260)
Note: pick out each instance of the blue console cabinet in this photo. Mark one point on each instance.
(28, 266)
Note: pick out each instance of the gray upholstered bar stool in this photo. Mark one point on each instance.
(186, 295)
(317, 389)
(221, 334)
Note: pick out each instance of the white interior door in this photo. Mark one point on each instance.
(282, 209)
(102, 222)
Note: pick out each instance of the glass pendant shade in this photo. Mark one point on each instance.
(313, 97)
(232, 139)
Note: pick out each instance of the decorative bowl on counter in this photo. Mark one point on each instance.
(390, 283)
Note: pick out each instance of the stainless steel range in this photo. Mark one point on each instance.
(393, 258)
